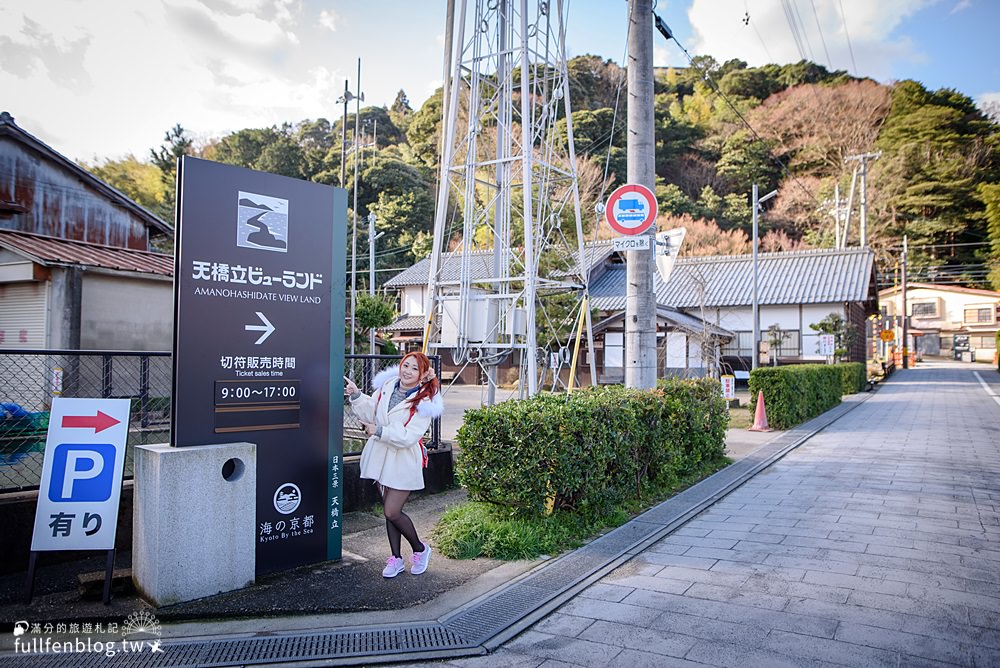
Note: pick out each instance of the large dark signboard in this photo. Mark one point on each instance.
(259, 341)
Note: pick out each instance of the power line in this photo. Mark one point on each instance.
(753, 24)
(822, 39)
(850, 49)
(667, 33)
(790, 19)
(802, 28)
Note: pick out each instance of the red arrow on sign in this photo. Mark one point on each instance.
(98, 422)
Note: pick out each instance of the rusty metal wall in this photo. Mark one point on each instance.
(57, 203)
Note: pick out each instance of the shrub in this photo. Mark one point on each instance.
(794, 394)
(590, 452)
(854, 377)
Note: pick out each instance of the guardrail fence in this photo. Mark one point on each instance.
(29, 379)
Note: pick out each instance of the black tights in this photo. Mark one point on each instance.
(398, 523)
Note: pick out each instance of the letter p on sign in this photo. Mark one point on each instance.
(82, 472)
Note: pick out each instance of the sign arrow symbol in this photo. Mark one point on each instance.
(267, 328)
(98, 422)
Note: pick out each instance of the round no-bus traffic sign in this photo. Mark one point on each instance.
(631, 209)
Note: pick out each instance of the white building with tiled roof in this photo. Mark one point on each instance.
(706, 303)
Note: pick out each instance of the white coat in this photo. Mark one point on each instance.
(394, 459)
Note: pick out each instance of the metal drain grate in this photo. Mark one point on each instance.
(496, 613)
(362, 643)
(345, 644)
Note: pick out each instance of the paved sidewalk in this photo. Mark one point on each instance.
(877, 542)
(874, 541)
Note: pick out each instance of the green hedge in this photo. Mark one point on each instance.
(854, 377)
(796, 393)
(592, 450)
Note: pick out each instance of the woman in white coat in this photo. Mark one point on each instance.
(404, 401)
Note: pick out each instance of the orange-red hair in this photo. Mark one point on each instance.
(429, 388)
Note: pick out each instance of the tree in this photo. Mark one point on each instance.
(176, 144)
(401, 113)
(775, 337)
(746, 160)
(141, 181)
(315, 138)
(594, 83)
(673, 202)
(756, 83)
(936, 148)
(989, 193)
(266, 149)
(703, 237)
(844, 333)
(424, 131)
(372, 312)
(776, 241)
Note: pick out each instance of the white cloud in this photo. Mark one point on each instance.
(719, 30)
(250, 26)
(328, 19)
(961, 5)
(989, 103)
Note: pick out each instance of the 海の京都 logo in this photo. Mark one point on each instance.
(287, 498)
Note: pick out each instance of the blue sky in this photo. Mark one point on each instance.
(102, 78)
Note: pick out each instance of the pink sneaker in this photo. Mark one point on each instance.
(419, 560)
(393, 567)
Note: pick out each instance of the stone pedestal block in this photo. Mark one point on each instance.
(193, 520)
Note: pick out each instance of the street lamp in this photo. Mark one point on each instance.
(372, 237)
(344, 99)
(757, 201)
(358, 99)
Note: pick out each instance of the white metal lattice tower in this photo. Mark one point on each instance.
(514, 185)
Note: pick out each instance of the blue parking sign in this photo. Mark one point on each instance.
(81, 475)
(82, 472)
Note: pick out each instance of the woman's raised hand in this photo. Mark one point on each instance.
(349, 387)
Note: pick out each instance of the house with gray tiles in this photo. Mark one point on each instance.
(704, 312)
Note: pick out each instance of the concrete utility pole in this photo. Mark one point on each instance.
(640, 300)
(372, 238)
(757, 201)
(863, 159)
(906, 356)
(354, 224)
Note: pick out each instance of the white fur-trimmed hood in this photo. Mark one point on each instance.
(432, 408)
(384, 376)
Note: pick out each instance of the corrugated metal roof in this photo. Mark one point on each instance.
(51, 251)
(11, 129)
(481, 266)
(799, 277)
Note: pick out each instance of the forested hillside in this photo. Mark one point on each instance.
(719, 129)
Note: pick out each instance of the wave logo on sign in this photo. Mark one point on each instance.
(262, 222)
(287, 498)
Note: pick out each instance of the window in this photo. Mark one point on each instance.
(924, 309)
(789, 345)
(614, 350)
(741, 345)
(979, 314)
(983, 342)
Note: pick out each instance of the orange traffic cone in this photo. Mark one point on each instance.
(760, 417)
